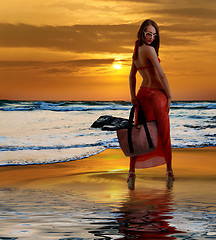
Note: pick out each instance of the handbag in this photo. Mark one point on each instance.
(138, 139)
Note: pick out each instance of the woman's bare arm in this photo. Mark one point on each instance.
(132, 84)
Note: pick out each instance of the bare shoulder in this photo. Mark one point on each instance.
(145, 49)
(150, 50)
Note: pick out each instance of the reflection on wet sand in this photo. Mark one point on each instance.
(145, 215)
(81, 200)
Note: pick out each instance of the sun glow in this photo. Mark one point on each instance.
(117, 64)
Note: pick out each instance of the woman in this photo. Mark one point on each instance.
(154, 97)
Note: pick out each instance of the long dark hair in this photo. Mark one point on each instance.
(139, 41)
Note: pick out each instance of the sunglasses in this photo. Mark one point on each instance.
(149, 34)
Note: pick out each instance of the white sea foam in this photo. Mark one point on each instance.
(45, 132)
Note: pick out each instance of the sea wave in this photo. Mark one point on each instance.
(105, 144)
(41, 132)
(63, 106)
(200, 127)
(6, 105)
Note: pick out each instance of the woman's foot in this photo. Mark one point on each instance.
(169, 179)
(131, 180)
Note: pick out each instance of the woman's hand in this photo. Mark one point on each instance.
(168, 104)
(134, 101)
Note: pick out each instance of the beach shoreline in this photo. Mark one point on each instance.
(187, 163)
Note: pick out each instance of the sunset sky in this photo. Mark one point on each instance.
(81, 50)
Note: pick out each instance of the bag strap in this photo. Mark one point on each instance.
(130, 124)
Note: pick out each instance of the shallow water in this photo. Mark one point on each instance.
(47, 132)
(106, 210)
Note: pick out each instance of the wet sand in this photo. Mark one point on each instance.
(89, 199)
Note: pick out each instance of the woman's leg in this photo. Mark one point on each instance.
(132, 164)
(131, 175)
(162, 118)
(169, 165)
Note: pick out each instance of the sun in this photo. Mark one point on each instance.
(117, 64)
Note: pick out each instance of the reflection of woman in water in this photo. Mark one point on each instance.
(154, 97)
(145, 216)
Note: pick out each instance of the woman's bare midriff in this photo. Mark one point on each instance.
(150, 78)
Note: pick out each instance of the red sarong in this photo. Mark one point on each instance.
(154, 105)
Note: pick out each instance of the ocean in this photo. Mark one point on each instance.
(41, 132)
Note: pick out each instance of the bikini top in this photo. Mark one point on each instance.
(148, 66)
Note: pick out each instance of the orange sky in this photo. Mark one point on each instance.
(67, 50)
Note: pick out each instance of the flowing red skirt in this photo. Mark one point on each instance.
(154, 105)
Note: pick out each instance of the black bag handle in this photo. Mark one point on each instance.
(130, 124)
